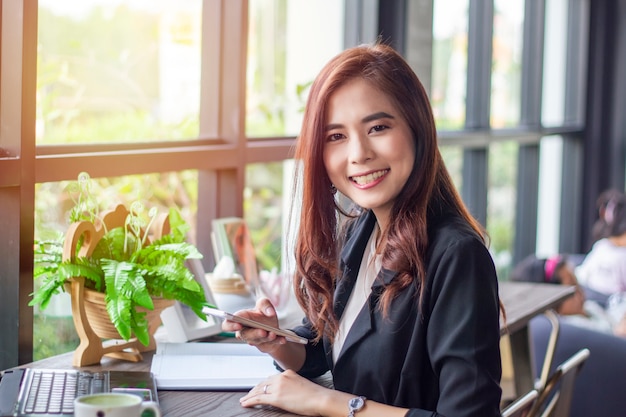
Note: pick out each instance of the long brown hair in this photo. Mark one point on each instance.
(429, 190)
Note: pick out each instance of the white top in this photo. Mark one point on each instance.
(370, 266)
(604, 268)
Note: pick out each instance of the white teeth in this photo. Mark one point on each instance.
(366, 179)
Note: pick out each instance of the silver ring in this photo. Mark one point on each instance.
(265, 389)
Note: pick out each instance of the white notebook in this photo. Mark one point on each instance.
(210, 366)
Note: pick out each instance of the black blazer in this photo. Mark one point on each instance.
(442, 361)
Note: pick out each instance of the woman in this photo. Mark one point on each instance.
(604, 267)
(402, 305)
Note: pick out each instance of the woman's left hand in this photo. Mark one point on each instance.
(288, 391)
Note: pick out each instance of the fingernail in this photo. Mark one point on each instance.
(268, 311)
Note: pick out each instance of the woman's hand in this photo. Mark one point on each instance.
(296, 394)
(265, 341)
(288, 391)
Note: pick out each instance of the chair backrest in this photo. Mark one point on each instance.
(521, 406)
(556, 398)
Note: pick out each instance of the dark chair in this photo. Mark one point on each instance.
(521, 406)
(599, 388)
(555, 398)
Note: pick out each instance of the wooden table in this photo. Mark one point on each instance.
(173, 403)
(522, 302)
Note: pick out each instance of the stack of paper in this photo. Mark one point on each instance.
(210, 366)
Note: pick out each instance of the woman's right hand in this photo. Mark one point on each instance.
(288, 355)
(263, 312)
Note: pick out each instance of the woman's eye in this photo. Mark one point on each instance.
(378, 128)
(334, 137)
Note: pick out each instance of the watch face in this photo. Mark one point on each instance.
(356, 403)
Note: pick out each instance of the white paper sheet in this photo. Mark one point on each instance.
(210, 366)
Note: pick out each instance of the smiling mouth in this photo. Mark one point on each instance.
(371, 177)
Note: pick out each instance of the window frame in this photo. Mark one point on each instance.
(220, 155)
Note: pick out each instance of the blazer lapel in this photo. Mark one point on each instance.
(365, 322)
(351, 255)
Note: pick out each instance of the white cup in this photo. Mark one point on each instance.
(113, 404)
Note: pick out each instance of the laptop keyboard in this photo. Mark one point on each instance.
(53, 392)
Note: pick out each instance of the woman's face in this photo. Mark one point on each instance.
(369, 149)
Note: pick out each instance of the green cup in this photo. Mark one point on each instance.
(113, 404)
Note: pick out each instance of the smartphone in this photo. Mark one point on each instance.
(287, 334)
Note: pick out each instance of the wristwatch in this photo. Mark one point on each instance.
(355, 404)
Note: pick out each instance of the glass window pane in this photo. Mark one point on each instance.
(549, 199)
(118, 71)
(561, 103)
(287, 46)
(449, 73)
(450, 19)
(52, 205)
(453, 158)
(508, 28)
(553, 106)
(263, 212)
(501, 202)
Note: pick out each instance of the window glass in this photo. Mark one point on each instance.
(54, 331)
(449, 73)
(506, 66)
(563, 46)
(287, 46)
(549, 199)
(453, 158)
(263, 211)
(118, 71)
(501, 202)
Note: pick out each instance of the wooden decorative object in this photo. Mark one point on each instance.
(98, 336)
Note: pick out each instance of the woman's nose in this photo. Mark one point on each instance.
(359, 150)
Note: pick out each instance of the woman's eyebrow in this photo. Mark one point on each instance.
(376, 116)
(332, 126)
(369, 118)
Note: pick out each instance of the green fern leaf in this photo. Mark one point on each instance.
(49, 287)
(116, 244)
(83, 267)
(178, 226)
(119, 310)
(125, 279)
(139, 326)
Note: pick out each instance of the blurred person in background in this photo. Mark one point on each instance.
(601, 228)
(603, 269)
(585, 308)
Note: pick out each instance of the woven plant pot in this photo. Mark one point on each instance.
(98, 336)
(98, 317)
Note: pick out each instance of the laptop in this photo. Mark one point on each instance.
(31, 392)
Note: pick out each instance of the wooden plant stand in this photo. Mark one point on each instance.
(98, 336)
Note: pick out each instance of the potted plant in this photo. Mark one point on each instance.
(113, 259)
